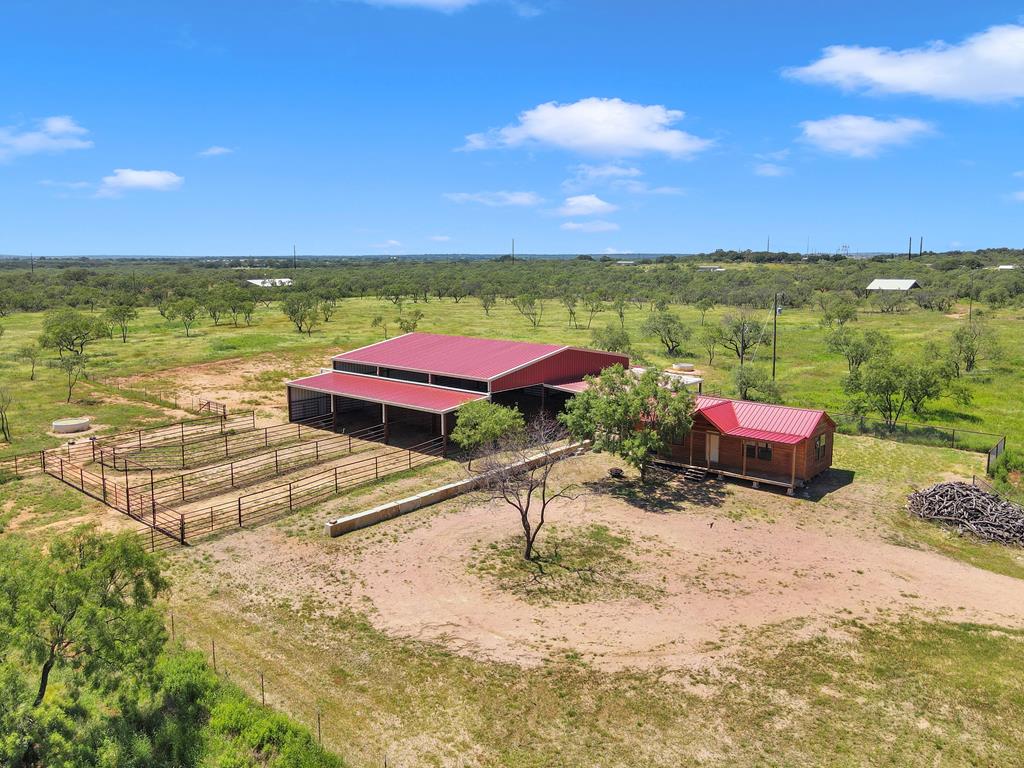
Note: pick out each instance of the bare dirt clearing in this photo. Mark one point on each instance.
(732, 562)
(239, 383)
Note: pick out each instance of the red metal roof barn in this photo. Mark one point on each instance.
(415, 382)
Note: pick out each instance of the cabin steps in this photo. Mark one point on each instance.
(695, 474)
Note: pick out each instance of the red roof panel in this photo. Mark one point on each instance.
(463, 356)
(760, 421)
(421, 397)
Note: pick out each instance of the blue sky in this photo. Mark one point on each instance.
(412, 126)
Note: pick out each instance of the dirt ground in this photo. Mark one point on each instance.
(724, 561)
(241, 384)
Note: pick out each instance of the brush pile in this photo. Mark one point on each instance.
(970, 510)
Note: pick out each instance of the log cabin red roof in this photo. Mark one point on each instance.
(760, 421)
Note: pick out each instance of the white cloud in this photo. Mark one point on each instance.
(614, 176)
(586, 172)
(440, 238)
(445, 6)
(861, 136)
(1019, 196)
(387, 244)
(586, 205)
(126, 179)
(52, 135)
(590, 226)
(986, 67)
(1018, 174)
(497, 199)
(771, 169)
(597, 126)
(216, 150)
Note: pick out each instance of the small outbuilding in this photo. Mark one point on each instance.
(892, 284)
(271, 282)
(774, 444)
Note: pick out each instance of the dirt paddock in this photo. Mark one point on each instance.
(718, 571)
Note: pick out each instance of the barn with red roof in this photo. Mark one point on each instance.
(417, 382)
(773, 444)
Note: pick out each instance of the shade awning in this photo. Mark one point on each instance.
(373, 389)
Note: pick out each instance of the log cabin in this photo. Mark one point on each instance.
(773, 444)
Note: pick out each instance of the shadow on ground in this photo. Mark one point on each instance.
(663, 492)
(827, 483)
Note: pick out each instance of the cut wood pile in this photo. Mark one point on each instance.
(970, 510)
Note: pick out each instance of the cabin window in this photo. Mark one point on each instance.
(762, 451)
(820, 447)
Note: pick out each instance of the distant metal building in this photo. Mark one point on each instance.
(892, 284)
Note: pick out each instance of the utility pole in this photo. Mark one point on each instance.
(513, 249)
(910, 248)
(775, 331)
(32, 263)
(768, 248)
(294, 258)
(920, 247)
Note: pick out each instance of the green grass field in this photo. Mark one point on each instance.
(808, 374)
(899, 691)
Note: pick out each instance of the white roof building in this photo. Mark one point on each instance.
(271, 282)
(1007, 266)
(892, 284)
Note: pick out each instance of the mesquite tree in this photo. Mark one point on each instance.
(521, 474)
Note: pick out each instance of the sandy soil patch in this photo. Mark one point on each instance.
(240, 383)
(719, 574)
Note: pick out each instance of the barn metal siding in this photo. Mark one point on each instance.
(566, 365)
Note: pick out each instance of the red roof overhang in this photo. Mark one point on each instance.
(761, 421)
(403, 394)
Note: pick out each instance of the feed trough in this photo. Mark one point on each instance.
(68, 426)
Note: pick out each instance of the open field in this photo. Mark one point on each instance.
(679, 626)
(764, 623)
(245, 366)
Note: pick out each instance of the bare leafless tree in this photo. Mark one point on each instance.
(5, 403)
(519, 473)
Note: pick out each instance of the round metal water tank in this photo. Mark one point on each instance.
(67, 426)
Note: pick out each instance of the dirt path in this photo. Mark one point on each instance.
(717, 580)
(717, 577)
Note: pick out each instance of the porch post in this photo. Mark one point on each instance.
(743, 451)
(691, 447)
(444, 423)
(384, 420)
(792, 474)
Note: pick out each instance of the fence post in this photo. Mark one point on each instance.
(266, 438)
(183, 455)
(231, 467)
(103, 479)
(42, 460)
(181, 527)
(289, 497)
(335, 479)
(316, 450)
(952, 439)
(277, 465)
(152, 495)
(140, 439)
(376, 473)
(239, 512)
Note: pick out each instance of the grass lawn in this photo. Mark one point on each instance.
(808, 374)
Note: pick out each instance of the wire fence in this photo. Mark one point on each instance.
(923, 434)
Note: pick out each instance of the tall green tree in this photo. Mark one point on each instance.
(630, 416)
(303, 310)
(481, 424)
(668, 329)
(69, 331)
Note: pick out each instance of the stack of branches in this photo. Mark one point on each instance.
(970, 510)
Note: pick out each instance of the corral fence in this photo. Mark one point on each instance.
(923, 434)
(268, 504)
(197, 483)
(202, 449)
(210, 406)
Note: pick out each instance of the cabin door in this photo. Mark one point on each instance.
(713, 447)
